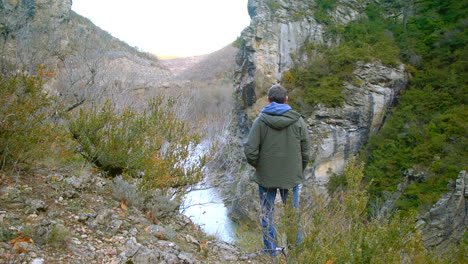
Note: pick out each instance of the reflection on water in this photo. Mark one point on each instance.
(206, 209)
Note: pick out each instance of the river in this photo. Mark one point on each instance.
(206, 208)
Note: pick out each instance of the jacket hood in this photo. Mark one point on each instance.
(280, 121)
(276, 109)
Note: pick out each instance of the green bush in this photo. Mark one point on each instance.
(321, 11)
(152, 144)
(338, 230)
(238, 43)
(27, 134)
(5, 233)
(58, 236)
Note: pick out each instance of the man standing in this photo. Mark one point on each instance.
(278, 148)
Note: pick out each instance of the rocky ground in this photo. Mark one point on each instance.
(50, 216)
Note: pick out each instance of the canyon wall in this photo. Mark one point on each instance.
(276, 34)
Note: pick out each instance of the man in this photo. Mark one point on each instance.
(278, 148)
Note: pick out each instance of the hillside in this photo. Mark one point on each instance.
(178, 65)
(219, 65)
(78, 60)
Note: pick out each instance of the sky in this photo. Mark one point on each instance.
(169, 27)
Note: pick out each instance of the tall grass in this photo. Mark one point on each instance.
(338, 230)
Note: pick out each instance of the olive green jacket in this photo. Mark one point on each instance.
(278, 148)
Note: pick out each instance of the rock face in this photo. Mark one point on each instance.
(77, 60)
(445, 224)
(338, 133)
(272, 46)
(277, 32)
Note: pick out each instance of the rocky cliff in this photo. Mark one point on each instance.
(278, 31)
(272, 46)
(445, 223)
(78, 60)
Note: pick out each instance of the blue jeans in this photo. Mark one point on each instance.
(267, 202)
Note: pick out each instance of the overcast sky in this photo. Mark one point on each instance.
(169, 27)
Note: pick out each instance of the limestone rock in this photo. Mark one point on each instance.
(338, 133)
(276, 35)
(446, 222)
(146, 256)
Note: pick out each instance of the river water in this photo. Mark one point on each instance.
(206, 208)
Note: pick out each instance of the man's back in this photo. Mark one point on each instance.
(277, 147)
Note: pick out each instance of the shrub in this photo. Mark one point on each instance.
(338, 230)
(5, 233)
(321, 11)
(161, 205)
(27, 133)
(58, 236)
(152, 144)
(239, 42)
(127, 193)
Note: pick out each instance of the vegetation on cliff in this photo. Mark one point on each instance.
(426, 131)
(320, 79)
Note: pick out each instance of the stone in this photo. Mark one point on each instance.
(445, 223)
(85, 216)
(229, 257)
(21, 247)
(36, 205)
(103, 216)
(81, 182)
(146, 256)
(131, 247)
(69, 194)
(55, 177)
(191, 239)
(170, 258)
(115, 225)
(37, 261)
(185, 257)
(133, 232)
(164, 233)
(2, 215)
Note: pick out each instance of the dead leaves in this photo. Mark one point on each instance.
(22, 244)
(124, 206)
(150, 216)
